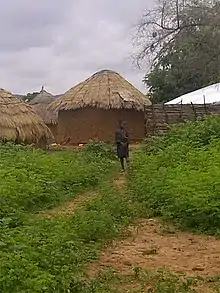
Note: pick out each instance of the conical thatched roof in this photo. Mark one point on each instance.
(40, 105)
(105, 89)
(19, 122)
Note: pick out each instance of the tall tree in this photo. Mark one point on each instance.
(181, 39)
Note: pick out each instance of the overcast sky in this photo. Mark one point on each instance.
(60, 43)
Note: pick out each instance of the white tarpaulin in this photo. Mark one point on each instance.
(211, 95)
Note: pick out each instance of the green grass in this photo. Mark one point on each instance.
(48, 255)
(150, 282)
(32, 180)
(177, 175)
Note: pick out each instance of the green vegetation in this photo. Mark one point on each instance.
(100, 149)
(180, 40)
(150, 282)
(177, 176)
(32, 180)
(47, 254)
(38, 254)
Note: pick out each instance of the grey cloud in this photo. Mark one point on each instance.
(25, 39)
(25, 23)
(23, 13)
(59, 43)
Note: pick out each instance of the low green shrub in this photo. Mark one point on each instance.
(100, 149)
(32, 180)
(192, 133)
(179, 177)
(38, 254)
(161, 281)
(47, 255)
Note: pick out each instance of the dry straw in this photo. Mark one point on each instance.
(40, 105)
(19, 122)
(105, 89)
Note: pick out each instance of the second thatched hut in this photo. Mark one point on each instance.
(92, 109)
(40, 105)
(19, 123)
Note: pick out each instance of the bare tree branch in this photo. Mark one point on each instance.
(164, 23)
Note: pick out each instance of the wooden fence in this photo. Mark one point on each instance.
(159, 117)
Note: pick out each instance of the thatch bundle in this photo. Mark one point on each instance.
(40, 105)
(19, 122)
(106, 90)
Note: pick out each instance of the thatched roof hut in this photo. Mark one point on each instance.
(40, 104)
(105, 89)
(92, 109)
(19, 122)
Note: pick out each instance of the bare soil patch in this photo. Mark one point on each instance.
(120, 181)
(153, 246)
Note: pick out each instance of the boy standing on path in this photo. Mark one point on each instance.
(122, 143)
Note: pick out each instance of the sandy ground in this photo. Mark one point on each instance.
(154, 246)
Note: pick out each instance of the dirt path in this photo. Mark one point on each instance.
(80, 200)
(120, 181)
(71, 205)
(152, 245)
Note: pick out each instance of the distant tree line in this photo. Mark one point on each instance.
(31, 96)
(28, 97)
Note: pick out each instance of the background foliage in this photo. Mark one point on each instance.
(177, 175)
(179, 39)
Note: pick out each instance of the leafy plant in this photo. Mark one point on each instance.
(100, 149)
(40, 254)
(33, 180)
(192, 133)
(177, 175)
